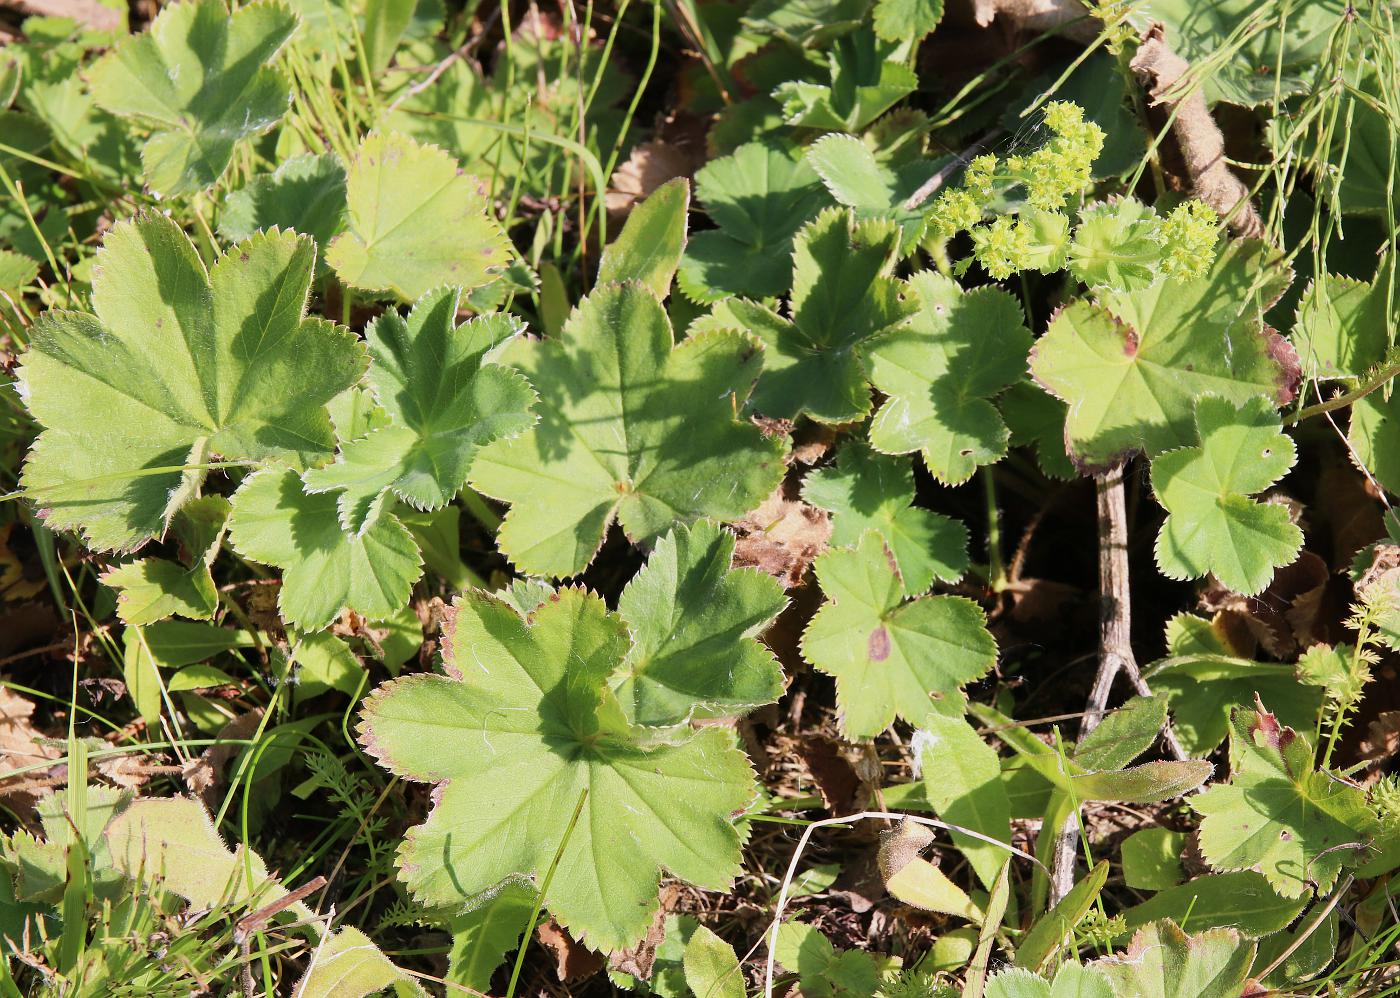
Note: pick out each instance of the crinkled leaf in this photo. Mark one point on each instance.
(1072, 980)
(414, 222)
(200, 79)
(939, 370)
(1212, 525)
(759, 196)
(840, 299)
(305, 193)
(443, 400)
(178, 366)
(631, 427)
(1164, 962)
(1117, 245)
(325, 568)
(864, 491)
(694, 620)
(649, 247)
(534, 725)
(1279, 814)
(1131, 365)
(891, 657)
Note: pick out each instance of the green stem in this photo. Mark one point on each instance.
(1378, 380)
(996, 575)
(483, 513)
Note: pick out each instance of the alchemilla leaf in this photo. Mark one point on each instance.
(535, 729)
(1213, 527)
(758, 197)
(325, 567)
(892, 656)
(180, 366)
(694, 620)
(841, 297)
(200, 79)
(864, 491)
(442, 401)
(1279, 814)
(415, 222)
(305, 193)
(630, 427)
(1131, 364)
(940, 369)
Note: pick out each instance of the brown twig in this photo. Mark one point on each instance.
(1197, 135)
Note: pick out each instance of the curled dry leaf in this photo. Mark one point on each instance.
(782, 537)
(20, 744)
(649, 166)
(573, 961)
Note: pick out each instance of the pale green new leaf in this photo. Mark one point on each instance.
(822, 970)
(1117, 244)
(325, 568)
(711, 967)
(841, 297)
(864, 491)
(1279, 814)
(483, 936)
(1164, 962)
(180, 366)
(533, 726)
(891, 657)
(650, 245)
(759, 196)
(414, 222)
(631, 427)
(349, 965)
(1212, 526)
(1131, 365)
(962, 780)
(694, 621)
(939, 371)
(305, 193)
(200, 79)
(443, 401)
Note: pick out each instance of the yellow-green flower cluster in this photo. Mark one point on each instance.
(1189, 234)
(1062, 167)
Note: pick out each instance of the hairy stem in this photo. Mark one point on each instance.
(1378, 380)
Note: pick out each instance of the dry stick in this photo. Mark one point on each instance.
(1197, 135)
(929, 186)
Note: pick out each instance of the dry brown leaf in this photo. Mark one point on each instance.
(782, 537)
(649, 166)
(833, 769)
(639, 959)
(204, 774)
(86, 12)
(19, 745)
(573, 960)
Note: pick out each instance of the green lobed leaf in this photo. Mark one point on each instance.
(305, 193)
(866, 78)
(1117, 245)
(325, 568)
(1164, 962)
(891, 657)
(649, 247)
(1278, 814)
(694, 621)
(155, 588)
(870, 188)
(1037, 419)
(1152, 859)
(526, 702)
(200, 79)
(899, 20)
(631, 428)
(443, 401)
(178, 367)
(1212, 525)
(841, 298)
(822, 970)
(1131, 364)
(758, 197)
(939, 370)
(865, 490)
(1340, 330)
(415, 222)
(1071, 980)
(1374, 437)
